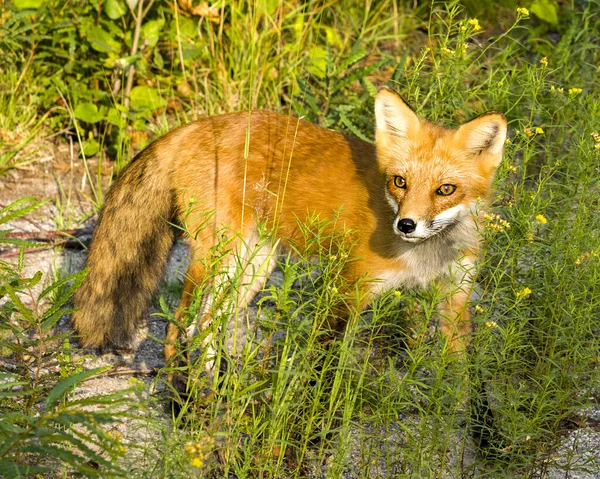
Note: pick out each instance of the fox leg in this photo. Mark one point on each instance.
(247, 268)
(193, 277)
(455, 318)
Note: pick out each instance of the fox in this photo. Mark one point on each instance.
(414, 201)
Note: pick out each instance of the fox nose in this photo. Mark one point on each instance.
(406, 225)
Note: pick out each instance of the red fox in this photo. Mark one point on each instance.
(414, 201)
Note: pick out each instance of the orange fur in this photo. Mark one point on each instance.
(235, 172)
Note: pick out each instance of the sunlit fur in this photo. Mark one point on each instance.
(227, 175)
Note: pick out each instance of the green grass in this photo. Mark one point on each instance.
(385, 398)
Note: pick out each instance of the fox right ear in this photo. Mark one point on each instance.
(393, 116)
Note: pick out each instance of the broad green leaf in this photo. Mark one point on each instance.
(101, 41)
(88, 112)
(67, 384)
(318, 61)
(28, 4)
(115, 118)
(146, 98)
(114, 9)
(333, 37)
(546, 10)
(151, 32)
(90, 147)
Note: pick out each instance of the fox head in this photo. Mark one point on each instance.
(434, 176)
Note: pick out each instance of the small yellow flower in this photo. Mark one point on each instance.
(197, 462)
(585, 256)
(539, 130)
(478, 309)
(542, 219)
(475, 24)
(462, 28)
(574, 91)
(530, 237)
(544, 62)
(397, 294)
(447, 51)
(491, 324)
(527, 131)
(334, 290)
(560, 90)
(524, 293)
(507, 141)
(523, 11)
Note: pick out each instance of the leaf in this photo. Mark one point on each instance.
(146, 98)
(318, 61)
(353, 128)
(545, 10)
(56, 285)
(14, 210)
(67, 384)
(88, 112)
(114, 9)
(24, 310)
(101, 41)
(115, 118)
(151, 32)
(90, 147)
(28, 4)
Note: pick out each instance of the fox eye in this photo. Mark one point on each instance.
(399, 182)
(446, 190)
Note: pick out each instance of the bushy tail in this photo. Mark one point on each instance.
(127, 256)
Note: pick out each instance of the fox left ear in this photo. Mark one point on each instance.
(485, 135)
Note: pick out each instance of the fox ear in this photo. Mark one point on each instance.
(485, 135)
(393, 116)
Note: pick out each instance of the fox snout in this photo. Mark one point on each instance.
(419, 229)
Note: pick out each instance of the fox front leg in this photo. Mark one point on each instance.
(455, 319)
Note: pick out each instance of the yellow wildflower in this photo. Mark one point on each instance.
(574, 91)
(447, 51)
(585, 256)
(523, 11)
(491, 324)
(524, 293)
(560, 90)
(530, 237)
(507, 141)
(496, 222)
(539, 130)
(542, 219)
(397, 294)
(478, 309)
(475, 24)
(544, 62)
(197, 462)
(528, 132)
